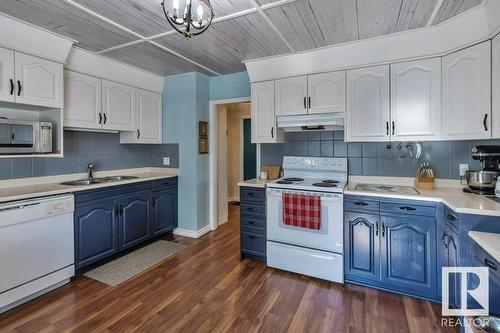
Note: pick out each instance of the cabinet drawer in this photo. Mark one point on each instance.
(408, 208)
(91, 195)
(164, 183)
(134, 187)
(253, 242)
(451, 218)
(253, 222)
(250, 210)
(254, 230)
(361, 203)
(252, 194)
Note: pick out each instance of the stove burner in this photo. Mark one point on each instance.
(325, 185)
(293, 179)
(330, 181)
(285, 182)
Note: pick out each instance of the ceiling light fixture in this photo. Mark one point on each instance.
(189, 17)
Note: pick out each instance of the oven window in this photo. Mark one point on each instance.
(16, 135)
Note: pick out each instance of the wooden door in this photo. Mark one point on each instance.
(467, 93)
(326, 92)
(82, 101)
(367, 116)
(416, 100)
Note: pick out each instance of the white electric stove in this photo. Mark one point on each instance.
(317, 253)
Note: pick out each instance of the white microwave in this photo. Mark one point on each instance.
(25, 137)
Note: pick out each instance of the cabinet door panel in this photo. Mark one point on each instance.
(496, 88)
(416, 100)
(408, 254)
(263, 117)
(164, 211)
(367, 116)
(467, 93)
(451, 252)
(118, 106)
(7, 79)
(82, 101)
(149, 116)
(290, 96)
(95, 232)
(362, 247)
(326, 92)
(134, 226)
(41, 81)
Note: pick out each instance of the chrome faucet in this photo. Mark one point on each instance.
(90, 170)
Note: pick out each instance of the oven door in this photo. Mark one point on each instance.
(330, 236)
(19, 137)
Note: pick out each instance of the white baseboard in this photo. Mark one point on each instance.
(191, 233)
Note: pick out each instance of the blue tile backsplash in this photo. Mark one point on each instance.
(81, 148)
(374, 159)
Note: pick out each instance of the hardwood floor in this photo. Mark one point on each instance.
(207, 288)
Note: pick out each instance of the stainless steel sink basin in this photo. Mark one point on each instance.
(100, 180)
(81, 182)
(116, 178)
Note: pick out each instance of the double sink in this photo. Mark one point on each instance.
(90, 181)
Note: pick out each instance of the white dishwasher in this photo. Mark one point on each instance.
(36, 248)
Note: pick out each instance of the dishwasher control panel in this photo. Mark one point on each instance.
(59, 207)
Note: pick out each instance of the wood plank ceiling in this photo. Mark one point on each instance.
(136, 32)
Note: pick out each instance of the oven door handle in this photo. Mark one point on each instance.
(333, 197)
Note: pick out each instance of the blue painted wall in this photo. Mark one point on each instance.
(81, 148)
(371, 159)
(230, 86)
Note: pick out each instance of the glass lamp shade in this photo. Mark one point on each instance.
(189, 17)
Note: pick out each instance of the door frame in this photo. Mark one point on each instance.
(212, 139)
(242, 146)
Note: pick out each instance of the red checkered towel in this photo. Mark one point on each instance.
(302, 210)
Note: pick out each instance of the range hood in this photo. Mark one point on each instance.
(312, 122)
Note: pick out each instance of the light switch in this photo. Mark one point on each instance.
(166, 161)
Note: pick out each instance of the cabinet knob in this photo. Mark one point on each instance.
(407, 208)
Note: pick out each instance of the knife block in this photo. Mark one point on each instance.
(424, 183)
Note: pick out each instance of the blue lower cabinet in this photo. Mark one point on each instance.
(253, 223)
(96, 234)
(362, 247)
(113, 219)
(164, 211)
(134, 218)
(408, 254)
(450, 252)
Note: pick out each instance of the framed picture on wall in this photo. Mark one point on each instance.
(203, 129)
(203, 146)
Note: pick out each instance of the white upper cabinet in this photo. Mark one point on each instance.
(416, 100)
(495, 116)
(148, 112)
(39, 81)
(82, 101)
(467, 93)
(367, 116)
(291, 96)
(326, 92)
(263, 115)
(7, 84)
(118, 104)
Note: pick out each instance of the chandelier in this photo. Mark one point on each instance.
(189, 17)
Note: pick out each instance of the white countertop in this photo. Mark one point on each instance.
(452, 196)
(26, 188)
(256, 182)
(488, 241)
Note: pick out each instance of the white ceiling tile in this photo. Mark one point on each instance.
(67, 20)
(452, 8)
(415, 14)
(154, 60)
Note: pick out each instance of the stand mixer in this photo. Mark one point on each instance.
(483, 182)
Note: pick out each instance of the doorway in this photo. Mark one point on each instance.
(233, 158)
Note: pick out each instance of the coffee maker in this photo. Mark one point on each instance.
(484, 181)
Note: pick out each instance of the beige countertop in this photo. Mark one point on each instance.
(26, 188)
(256, 182)
(453, 197)
(490, 242)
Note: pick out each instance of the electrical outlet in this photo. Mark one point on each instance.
(463, 168)
(166, 161)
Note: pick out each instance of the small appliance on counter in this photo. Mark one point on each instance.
(25, 137)
(483, 182)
